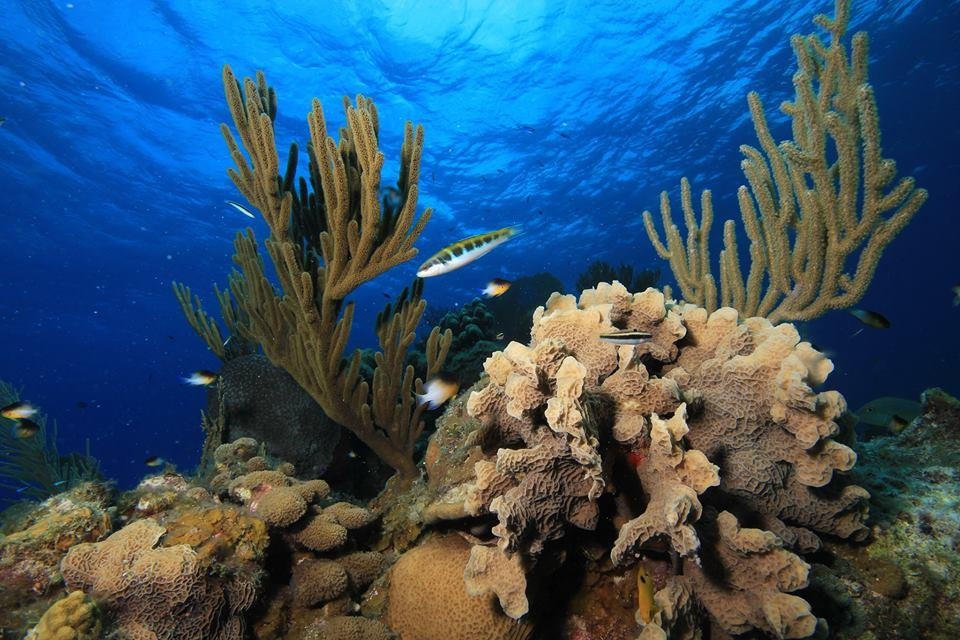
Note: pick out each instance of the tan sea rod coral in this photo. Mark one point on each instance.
(717, 420)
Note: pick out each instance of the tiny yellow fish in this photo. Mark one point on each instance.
(154, 461)
(646, 606)
(464, 252)
(437, 391)
(628, 337)
(496, 287)
(201, 378)
(18, 411)
(26, 428)
(871, 318)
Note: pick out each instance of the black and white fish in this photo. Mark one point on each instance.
(239, 207)
(628, 337)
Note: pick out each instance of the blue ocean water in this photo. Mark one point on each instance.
(566, 117)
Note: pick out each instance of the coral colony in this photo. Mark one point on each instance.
(690, 480)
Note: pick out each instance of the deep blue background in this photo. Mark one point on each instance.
(566, 117)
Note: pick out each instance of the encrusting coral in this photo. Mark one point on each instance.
(717, 420)
(323, 245)
(814, 204)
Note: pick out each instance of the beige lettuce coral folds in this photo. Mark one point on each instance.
(817, 204)
(723, 425)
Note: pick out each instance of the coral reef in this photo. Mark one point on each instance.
(328, 568)
(31, 551)
(815, 204)
(323, 245)
(708, 441)
(601, 271)
(906, 582)
(262, 401)
(74, 617)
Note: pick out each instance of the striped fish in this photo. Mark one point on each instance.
(628, 337)
(464, 252)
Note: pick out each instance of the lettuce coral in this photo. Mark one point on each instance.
(716, 419)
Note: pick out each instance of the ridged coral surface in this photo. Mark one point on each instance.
(428, 599)
(721, 424)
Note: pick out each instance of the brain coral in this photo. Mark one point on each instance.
(717, 419)
(429, 579)
(150, 591)
(74, 617)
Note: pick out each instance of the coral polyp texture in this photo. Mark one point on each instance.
(711, 437)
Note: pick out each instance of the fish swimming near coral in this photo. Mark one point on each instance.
(464, 252)
(154, 461)
(18, 411)
(201, 378)
(888, 412)
(437, 391)
(239, 207)
(646, 606)
(628, 337)
(496, 287)
(871, 318)
(956, 295)
(26, 429)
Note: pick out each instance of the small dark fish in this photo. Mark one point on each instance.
(2, 120)
(18, 410)
(501, 171)
(871, 318)
(169, 337)
(26, 428)
(565, 136)
(526, 128)
(956, 295)
(539, 212)
(201, 378)
(239, 207)
(153, 461)
(81, 404)
(386, 295)
(628, 337)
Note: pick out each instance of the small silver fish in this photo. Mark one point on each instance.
(239, 207)
(628, 337)
(59, 483)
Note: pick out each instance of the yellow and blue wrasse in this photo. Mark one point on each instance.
(464, 252)
(18, 411)
(646, 605)
(628, 337)
(26, 429)
(201, 378)
(870, 318)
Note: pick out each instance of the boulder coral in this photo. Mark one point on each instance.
(429, 579)
(74, 617)
(709, 435)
